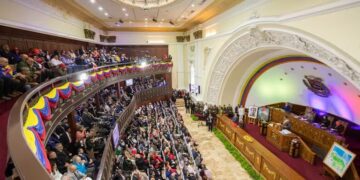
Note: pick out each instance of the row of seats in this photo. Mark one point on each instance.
(21, 72)
(157, 145)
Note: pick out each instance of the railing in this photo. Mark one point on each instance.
(26, 162)
(124, 119)
(306, 153)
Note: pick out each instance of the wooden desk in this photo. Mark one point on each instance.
(282, 142)
(279, 140)
(309, 133)
(263, 160)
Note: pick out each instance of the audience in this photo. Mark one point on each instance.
(79, 156)
(157, 145)
(40, 65)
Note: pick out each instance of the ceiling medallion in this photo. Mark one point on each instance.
(147, 4)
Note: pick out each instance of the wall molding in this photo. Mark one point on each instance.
(314, 11)
(274, 38)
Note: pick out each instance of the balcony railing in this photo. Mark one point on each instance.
(36, 113)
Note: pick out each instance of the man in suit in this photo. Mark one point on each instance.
(325, 122)
(65, 137)
(237, 110)
(339, 128)
(209, 122)
(192, 107)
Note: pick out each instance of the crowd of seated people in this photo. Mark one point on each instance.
(20, 72)
(156, 145)
(80, 157)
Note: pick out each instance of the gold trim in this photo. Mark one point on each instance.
(214, 9)
(73, 8)
(70, 7)
(269, 171)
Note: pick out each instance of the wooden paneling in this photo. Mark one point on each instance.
(309, 133)
(265, 162)
(142, 50)
(25, 40)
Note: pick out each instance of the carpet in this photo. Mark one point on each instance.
(307, 170)
(5, 108)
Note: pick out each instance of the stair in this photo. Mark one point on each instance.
(180, 103)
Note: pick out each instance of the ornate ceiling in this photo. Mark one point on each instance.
(145, 15)
(146, 4)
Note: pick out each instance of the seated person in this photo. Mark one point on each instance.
(55, 63)
(339, 128)
(235, 119)
(287, 107)
(26, 79)
(309, 115)
(325, 122)
(286, 124)
(9, 80)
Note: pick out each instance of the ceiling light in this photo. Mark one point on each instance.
(130, 22)
(192, 5)
(100, 8)
(155, 41)
(123, 9)
(93, 1)
(162, 19)
(126, 14)
(106, 14)
(146, 19)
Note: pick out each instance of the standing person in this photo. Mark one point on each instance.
(192, 107)
(209, 122)
(187, 106)
(241, 112)
(237, 110)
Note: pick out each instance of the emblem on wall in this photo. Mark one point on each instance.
(316, 85)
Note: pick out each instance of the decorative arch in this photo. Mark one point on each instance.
(258, 72)
(275, 38)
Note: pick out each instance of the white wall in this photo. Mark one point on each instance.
(274, 86)
(331, 22)
(35, 15)
(127, 38)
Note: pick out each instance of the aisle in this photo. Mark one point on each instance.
(216, 158)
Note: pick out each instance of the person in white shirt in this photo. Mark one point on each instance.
(205, 108)
(241, 112)
(55, 61)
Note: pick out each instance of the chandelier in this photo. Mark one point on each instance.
(147, 4)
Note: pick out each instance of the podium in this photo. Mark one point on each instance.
(279, 138)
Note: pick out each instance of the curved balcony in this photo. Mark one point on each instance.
(36, 114)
